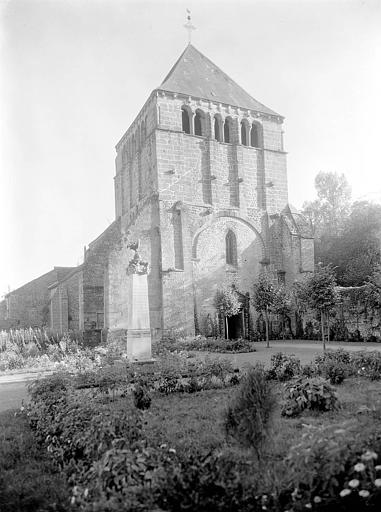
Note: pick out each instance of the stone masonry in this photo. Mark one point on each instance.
(182, 185)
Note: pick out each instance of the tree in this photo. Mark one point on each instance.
(264, 299)
(299, 297)
(282, 303)
(356, 252)
(322, 295)
(227, 303)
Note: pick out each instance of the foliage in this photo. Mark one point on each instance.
(264, 293)
(373, 289)
(142, 398)
(284, 367)
(346, 235)
(314, 394)
(211, 483)
(200, 343)
(28, 479)
(321, 288)
(249, 415)
(333, 465)
(264, 298)
(39, 348)
(332, 206)
(226, 301)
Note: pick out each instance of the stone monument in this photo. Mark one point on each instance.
(138, 331)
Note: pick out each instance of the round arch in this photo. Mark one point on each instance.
(232, 217)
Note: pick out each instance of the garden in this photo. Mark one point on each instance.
(187, 434)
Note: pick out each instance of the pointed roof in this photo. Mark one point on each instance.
(195, 75)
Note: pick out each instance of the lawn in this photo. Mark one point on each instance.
(191, 426)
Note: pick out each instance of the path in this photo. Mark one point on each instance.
(304, 350)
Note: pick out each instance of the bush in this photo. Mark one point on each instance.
(367, 364)
(284, 367)
(314, 394)
(248, 417)
(142, 399)
(200, 343)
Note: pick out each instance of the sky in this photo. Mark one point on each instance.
(75, 73)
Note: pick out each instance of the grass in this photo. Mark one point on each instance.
(28, 480)
(193, 423)
(189, 423)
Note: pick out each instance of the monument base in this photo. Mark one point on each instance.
(139, 344)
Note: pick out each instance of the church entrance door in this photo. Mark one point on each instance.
(235, 326)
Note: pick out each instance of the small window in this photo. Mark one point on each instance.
(199, 123)
(231, 248)
(217, 129)
(185, 120)
(254, 136)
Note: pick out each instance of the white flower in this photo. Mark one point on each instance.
(345, 492)
(317, 499)
(369, 455)
(359, 467)
(377, 482)
(364, 493)
(354, 483)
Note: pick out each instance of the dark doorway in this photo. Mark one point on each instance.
(235, 327)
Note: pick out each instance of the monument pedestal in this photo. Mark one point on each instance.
(138, 331)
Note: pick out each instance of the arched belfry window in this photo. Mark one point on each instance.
(228, 129)
(244, 133)
(231, 248)
(199, 123)
(218, 128)
(255, 139)
(185, 120)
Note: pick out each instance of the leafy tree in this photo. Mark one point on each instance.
(329, 211)
(264, 299)
(322, 295)
(226, 301)
(356, 251)
(282, 303)
(299, 298)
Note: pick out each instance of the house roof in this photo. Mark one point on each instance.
(195, 75)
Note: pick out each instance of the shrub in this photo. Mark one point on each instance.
(200, 343)
(313, 394)
(334, 372)
(284, 367)
(211, 483)
(248, 417)
(367, 364)
(142, 399)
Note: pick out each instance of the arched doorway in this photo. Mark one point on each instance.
(236, 326)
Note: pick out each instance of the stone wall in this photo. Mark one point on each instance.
(28, 306)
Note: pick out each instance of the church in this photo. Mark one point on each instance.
(201, 188)
(201, 183)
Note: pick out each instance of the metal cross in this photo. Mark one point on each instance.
(188, 25)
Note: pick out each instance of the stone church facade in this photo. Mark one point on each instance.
(201, 182)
